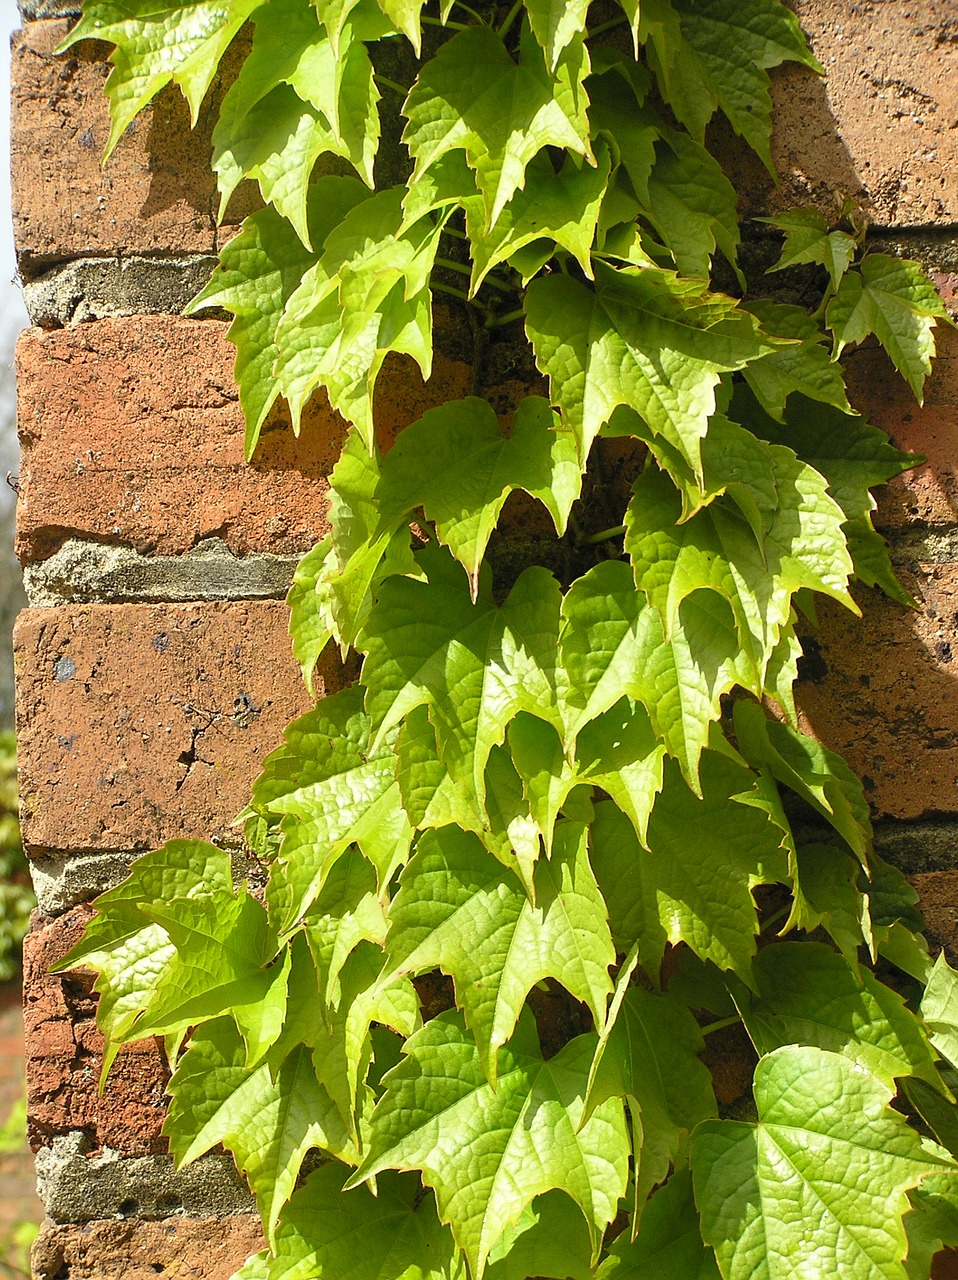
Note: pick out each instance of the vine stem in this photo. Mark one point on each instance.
(607, 26)
(604, 535)
(453, 26)
(510, 19)
(451, 265)
(391, 84)
(496, 322)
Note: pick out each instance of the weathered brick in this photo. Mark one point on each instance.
(938, 898)
(64, 1054)
(143, 443)
(156, 194)
(882, 690)
(180, 1248)
(878, 128)
(139, 723)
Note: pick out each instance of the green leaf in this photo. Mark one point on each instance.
(939, 1008)
(368, 295)
(268, 1118)
(157, 42)
(562, 207)
(893, 299)
(475, 666)
(818, 1186)
(813, 772)
(649, 1054)
(825, 893)
(459, 910)
(547, 1240)
(547, 777)
(808, 994)
(347, 911)
(692, 205)
(456, 464)
(620, 752)
(716, 550)
(331, 791)
(806, 367)
(808, 239)
(555, 23)
(429, 795)
(931, 1224)
(472, 97)
(694, 881)
(311, 622)
(612, 644)
(355, 1235)
(643, 338)
(669, 1240)
(259, 271)
(488, 1153)
(717, 55)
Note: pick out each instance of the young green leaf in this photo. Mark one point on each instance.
(473, 97)
(555, 23)
(668, 1243)
(939, 1008)
(550, 1239)
(460, 911)
(311, 622)
(808, 239)
(819, 1184)
(347, 911)
(825, 894)
(157, 43)
(620, 752)
(893, 299)
(488, 1153)
(806, 367)
(644, 338)
(691, 204)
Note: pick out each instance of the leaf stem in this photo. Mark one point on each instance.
(720, 1025)
(453, 26)
(510, 19)
(452, 291)
(496, 322)
(605, 535)
(606, 26)
(391, 84)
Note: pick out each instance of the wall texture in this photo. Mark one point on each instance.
(153, 672)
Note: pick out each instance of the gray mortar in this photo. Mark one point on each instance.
(94, 572)
(917, 847)
(62, 880)
(920, 544)
(76, 1187)
(93, 288)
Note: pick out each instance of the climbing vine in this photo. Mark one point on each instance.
(562, 833)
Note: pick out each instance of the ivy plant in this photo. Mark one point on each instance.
(563, 835)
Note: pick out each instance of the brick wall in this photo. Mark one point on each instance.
(153, 672)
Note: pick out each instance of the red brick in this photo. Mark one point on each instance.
(177, 1248)
(140, 723)
(156, 194)
(64, 1055)
(143, 443)
(938, 898)
(883, 691)
(878, 128)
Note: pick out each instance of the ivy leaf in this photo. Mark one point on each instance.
(649, 1054)
(692, 205)
(893, 299)
(456, 464)
(805, 367)
(562, 207)
(157, 43)
(939, 1008)
(854, 457)
(694, 881)
(331, 791)
(355, 1235)
(612, 644)
(462, 912)
(429, 795)
(475, 666)
(808, 994)
(717, 55)
(825, 893)
(620, 752)
(259, 271)
(269, 1118)
(644, 338)
(488, 1153)
(310, 614)
(813, 772)
(808, 239)
(547, 1239)
(347, 911)
(555, 23)
(716, 550)
(547, 777)
(368, 295)
(819, 1184)
(668, 1243)
(471, 96)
